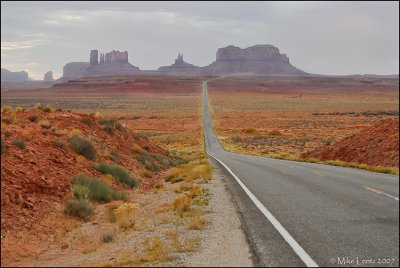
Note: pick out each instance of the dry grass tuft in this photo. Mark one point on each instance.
(126, 215)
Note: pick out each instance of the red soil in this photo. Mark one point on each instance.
(377, 145)
(34, 180)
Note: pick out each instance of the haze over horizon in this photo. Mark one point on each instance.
(319, 37)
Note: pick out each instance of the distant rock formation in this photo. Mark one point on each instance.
(180, 67)
(48, 76)
(94, 57)
(111, 63)
(258, 59)
(74, 69)
(9, 76)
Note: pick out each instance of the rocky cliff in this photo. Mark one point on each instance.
(180, 67)
(9, 76)
(258, 59)
(48, 76)
(74, 69)
(111, 63)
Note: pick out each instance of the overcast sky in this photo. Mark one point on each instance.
(318, 37)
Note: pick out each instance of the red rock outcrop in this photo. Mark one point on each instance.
(377, 145)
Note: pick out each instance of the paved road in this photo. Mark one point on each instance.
(326, 215)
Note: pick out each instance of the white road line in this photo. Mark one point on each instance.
(380, 192)
(308, 261)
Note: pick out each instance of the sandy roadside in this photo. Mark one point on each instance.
(224, 243)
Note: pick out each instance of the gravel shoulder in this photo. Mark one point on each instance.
(224, 243)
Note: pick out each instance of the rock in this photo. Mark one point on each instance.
(94, 57)
(74, 69)
(180, 67)
(5, 200)
(111, 63)
(258, 59)
(48, 76)
(28, 205)
(10, 76)
(19, 199)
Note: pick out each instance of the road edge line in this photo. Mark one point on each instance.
(308, 261)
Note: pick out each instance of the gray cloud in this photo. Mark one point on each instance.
(319, 37)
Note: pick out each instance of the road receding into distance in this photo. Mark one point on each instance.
(305, 214)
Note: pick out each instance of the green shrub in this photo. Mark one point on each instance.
(79, 208)
(95, 189)
(60, 144)
(119, 126)
(20, 143)
(80, 191)
(104, 121)
(7, 134)
(109, 129)
(7, 120)
(88, 121)
(118, 172)
(32, 117)
(83, 147)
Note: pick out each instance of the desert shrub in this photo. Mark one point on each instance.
(32, 117)
(196, 223)
(182, 202)
(118, 172)
(249, 130)
(275, 132)
(146, 147)
(3, 148)
(110, 121)
(109, 129)
(20, 143)
(74, 132)
(88, 121)
(79, 208)
(60, 144)
(80, 191)
(6, 109)
(83, 147)
(95, 189)
(114, 155)
(7, 134)
(46, 109)
(45, 124)
(119, 126)
(7, 120)
(126, 215)
(136, 148)
(108, 237)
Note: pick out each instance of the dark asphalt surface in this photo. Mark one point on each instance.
(339, 216)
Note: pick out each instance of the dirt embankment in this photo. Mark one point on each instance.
(37, 163)
(377, 145)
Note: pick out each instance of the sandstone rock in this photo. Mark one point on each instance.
(94, 57)
(180, 67)
(258, 59)
(111, 63)
(48, 76)
(74, 69)
(19, 199)
(9, 76)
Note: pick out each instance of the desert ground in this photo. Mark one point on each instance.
(274, 116)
